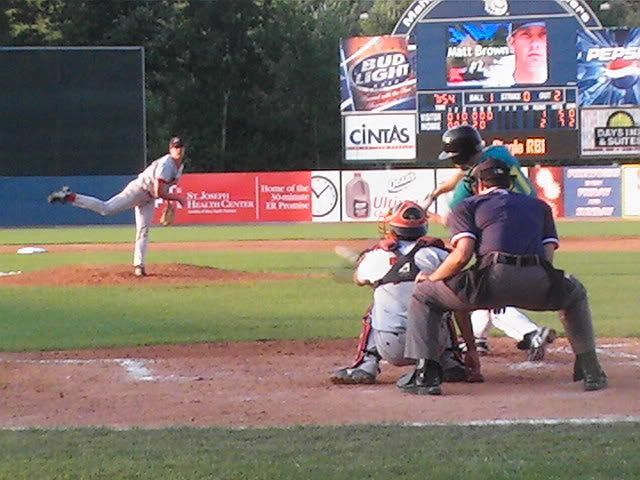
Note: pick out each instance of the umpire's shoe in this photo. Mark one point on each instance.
(352, 376)
(424, 380)
(588, 369)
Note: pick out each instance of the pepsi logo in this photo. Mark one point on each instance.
(381, 70)
(622, 73)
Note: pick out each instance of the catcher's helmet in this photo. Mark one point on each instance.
(460, 143)
(407, 220)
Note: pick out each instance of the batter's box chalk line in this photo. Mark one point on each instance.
(137, 369)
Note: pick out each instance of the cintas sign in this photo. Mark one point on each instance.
(380, 137)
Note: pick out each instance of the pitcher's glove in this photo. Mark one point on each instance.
(169, 213)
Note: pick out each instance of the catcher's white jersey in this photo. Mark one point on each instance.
(391, 301)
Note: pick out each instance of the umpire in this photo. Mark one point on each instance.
(514, 238)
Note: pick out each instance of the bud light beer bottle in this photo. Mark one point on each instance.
(358, 197)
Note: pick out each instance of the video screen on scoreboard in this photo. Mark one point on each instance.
(497, 54)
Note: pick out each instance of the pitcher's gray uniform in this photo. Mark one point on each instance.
(139, 193)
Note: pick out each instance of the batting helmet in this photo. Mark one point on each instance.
(460, 143)
(408, 221)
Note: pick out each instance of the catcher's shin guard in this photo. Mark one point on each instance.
(364, 339)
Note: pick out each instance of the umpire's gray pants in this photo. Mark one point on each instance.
(523, 287)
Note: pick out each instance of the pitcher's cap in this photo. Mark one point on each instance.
(176, 142)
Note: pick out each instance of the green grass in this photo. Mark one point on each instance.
(37, 318)
(125, 234)
(53, 318)
(382, 452)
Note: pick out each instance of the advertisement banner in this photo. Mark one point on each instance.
(592, 192)
(243, 197)
(609, 67)
(610, 131)
(380, 137)
(369, 195)
(549, 185)
(283, 196)
(377, 74)
(631, 191)
(325, 196)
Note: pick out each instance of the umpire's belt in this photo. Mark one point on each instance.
(494, 258)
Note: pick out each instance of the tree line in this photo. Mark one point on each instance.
(251, 84)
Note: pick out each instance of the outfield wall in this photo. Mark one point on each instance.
(318, 196)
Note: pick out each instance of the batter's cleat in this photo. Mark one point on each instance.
(482, 346)
(538, 342)
(352, 376)
(588, 369)
(64, 195)
(139, 271)
(424, 380)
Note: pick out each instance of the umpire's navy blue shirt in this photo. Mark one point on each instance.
(502, 221)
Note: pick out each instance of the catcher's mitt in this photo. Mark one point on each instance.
(168, 214)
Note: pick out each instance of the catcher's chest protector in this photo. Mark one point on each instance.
(405, 268)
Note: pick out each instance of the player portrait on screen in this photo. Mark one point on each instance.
(497, 54)
(528, 41)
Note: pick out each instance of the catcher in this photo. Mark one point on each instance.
(390, 269)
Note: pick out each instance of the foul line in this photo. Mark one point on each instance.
(607, 420)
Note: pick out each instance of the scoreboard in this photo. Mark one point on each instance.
(499, 110)
(534, 123)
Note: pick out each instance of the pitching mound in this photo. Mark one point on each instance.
(171, 273)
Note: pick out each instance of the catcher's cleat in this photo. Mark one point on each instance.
(63, 195)
(538, 342)
(352, 376)
(139, 271)
(588, 369)
(424, 380)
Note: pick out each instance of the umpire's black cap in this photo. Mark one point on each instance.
(491, 169)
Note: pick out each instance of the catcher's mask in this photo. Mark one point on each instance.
(406, 221)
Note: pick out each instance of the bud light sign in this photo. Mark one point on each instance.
(380, 137)
(377, 74)
(381, 71)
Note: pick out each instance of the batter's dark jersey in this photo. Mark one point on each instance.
(502, 221)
